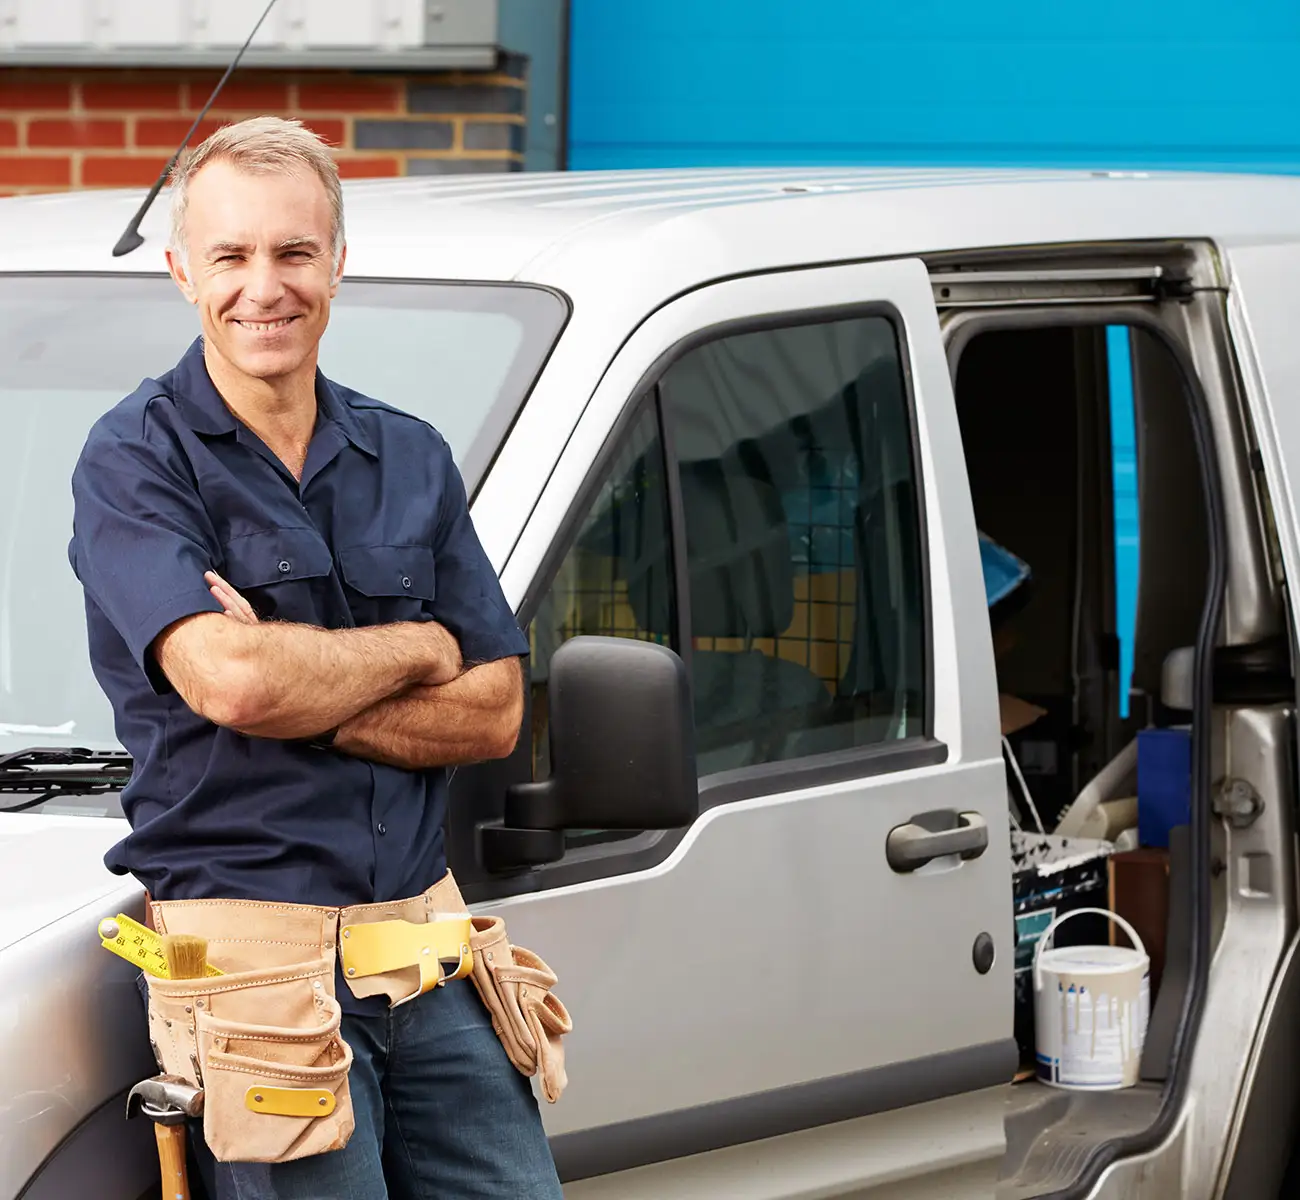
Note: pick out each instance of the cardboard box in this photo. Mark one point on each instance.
(1139, 892)
(1017, 714)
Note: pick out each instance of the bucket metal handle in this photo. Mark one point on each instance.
(1078, 912)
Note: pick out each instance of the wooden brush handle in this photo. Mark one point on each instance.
(171, 1159)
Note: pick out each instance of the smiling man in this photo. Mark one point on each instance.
(299, 631)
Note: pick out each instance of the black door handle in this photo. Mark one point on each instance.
(933, 835)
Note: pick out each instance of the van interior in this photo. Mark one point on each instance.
(1035, 407)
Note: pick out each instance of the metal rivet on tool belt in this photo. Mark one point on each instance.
(258, 1099)
(352, 970)
(188, 1008)
(316, 985)
(285, 565)
(199, 1003)
(322, 1102)
(347, 933)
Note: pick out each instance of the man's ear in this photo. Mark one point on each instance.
(181, 276)
(338, 272)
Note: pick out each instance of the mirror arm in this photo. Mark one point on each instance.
(530, 832)
(533, 806)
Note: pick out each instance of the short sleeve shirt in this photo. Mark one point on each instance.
(171, 484)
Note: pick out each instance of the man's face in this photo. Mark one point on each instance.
(260, 268)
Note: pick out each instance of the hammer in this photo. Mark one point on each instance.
(168, 1100)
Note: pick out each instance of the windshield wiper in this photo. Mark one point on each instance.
(62, 771)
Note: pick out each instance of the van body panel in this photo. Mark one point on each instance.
(873, 1156)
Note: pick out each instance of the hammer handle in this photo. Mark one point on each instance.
(171, 1159)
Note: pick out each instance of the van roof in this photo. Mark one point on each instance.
(592, 229)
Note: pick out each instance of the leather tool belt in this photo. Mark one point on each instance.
(263, 1038)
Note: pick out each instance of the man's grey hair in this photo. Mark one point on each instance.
(275, 145)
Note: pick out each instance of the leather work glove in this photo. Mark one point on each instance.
(528, 1018)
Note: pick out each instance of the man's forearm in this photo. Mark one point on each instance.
(473, 718)
(285, 680)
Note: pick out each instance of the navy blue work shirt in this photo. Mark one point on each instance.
(171, 484)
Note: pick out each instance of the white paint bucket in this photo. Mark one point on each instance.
(1091, 1005)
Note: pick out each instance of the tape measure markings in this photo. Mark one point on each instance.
(138, 944)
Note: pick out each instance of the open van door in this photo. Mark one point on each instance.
(1261, 312)
(808, 991)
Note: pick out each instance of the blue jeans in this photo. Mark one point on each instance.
(441, 1114)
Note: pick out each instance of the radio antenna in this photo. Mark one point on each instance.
(131, 237)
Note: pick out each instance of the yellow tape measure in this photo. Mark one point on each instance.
(138, 944)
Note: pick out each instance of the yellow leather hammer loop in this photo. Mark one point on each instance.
(290, 1102)
(378, 947)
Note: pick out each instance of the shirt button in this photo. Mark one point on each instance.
(382, 827)
(406, 582)
(285, 565)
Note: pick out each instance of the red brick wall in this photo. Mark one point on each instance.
(62, 129)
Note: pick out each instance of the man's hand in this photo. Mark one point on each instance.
(475, 717)
(238, 609)
(229, 599)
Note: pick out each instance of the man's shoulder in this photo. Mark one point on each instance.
(136, 415)
(380, 417)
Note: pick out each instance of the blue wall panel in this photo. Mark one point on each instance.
(1167, 83)
(1199, 84)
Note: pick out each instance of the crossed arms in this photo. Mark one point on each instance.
(398, 694)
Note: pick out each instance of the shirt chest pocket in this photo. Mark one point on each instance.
(388, 583)
(282, 573)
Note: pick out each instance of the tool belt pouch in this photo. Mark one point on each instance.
(528, 1018)
(265, 1047)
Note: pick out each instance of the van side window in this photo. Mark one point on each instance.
(803, 536)
(616, 580)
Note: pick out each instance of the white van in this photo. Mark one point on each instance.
(762, 419)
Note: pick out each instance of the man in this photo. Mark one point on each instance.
(298, 629)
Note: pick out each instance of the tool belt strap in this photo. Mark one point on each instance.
(394, 948)
(383, 947)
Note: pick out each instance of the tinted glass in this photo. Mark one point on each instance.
(616, 579)
(803, 534)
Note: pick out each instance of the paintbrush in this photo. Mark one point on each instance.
(187, 958)
(186, 954)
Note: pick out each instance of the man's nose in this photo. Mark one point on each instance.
(264, 284)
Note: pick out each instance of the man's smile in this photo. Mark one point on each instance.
(264, 326)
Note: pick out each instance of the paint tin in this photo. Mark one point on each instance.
(1091, 1006)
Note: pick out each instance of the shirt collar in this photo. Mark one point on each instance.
(207, 413)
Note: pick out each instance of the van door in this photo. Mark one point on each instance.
(809, 991)
(1261, 283)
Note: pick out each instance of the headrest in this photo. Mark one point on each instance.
(1178, 678)
(742, 573)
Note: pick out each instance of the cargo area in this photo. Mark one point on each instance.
(1098, 759)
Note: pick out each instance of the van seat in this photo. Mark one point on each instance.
(748, 704)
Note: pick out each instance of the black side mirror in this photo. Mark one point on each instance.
(622, 741)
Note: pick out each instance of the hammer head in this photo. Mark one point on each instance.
(167, 1099)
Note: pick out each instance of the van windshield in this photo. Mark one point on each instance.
(461, 356)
